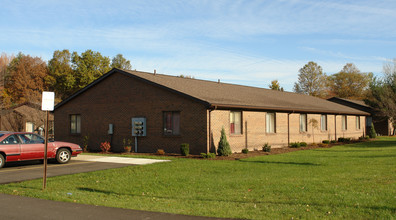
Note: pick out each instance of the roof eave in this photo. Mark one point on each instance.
(280, 109)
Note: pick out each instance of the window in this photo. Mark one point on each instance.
(29, 127)
(31, 139)
(323, 122)
(344, 125)
(75, 124)
(171, 123)
(12, 139)
(270, 122)
(235, 123)
(303, 122)
(358, 122)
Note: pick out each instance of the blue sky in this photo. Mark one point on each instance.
(245, 42)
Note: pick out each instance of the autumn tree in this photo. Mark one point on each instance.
(120, 62)
(4, 61)
(349, 83)
(311, 80)
(275, 85)
(382, 96)
(25, 79)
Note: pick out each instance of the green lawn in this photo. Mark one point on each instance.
(356, 181)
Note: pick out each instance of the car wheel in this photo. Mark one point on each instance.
(2, 160)
(63, 155)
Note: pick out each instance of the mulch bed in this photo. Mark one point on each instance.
(238, 156)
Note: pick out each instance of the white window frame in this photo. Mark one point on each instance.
(357, 122)
(75, 124)
(303, 123)
(270, 122)
(344, 122)
(323, 122)
(235, 122)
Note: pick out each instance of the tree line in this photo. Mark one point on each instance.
(23, 78)
(350, 83)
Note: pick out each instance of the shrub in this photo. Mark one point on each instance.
(245, 151)
(295, 145)
(208, 155)
(303, 144)
(85, 141)
(160, 152)
(326, 142)
(185, 149)
(105, 146)
(224, 147)
(372, 133)
(333, 141)
(344, 140)
(267, 147)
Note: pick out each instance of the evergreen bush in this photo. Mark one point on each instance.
(295, 145)
(223, 147)
(245, 150)
(208, 155)
(372, 133)
(185, 149)
(267, 147)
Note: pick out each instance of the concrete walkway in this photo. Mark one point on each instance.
(122, 160)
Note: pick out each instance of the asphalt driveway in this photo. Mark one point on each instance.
(28, 170)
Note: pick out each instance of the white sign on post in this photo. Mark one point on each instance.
(48, 101)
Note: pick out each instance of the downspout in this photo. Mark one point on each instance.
(288, 127)
(210, 129)
(335, 127)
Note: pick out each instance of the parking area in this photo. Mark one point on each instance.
(29, 170)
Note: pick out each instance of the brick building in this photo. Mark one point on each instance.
(183, 110)
(382, 125)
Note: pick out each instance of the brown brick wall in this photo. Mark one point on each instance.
(256, 135)
(116, 100)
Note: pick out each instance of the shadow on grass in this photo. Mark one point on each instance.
(376, 156)
(375, 144)
(297, 203)
(278, 162)
(342, 151)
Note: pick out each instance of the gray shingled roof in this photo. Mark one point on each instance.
(245, 97)
(224, 95)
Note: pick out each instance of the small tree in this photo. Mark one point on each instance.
(315, 125)
(224, 147)
(372, 133)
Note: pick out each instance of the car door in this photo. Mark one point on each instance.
(32, 146)
(11, 147)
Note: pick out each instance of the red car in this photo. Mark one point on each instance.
(18, 146)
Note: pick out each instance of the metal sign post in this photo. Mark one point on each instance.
(48, 100)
